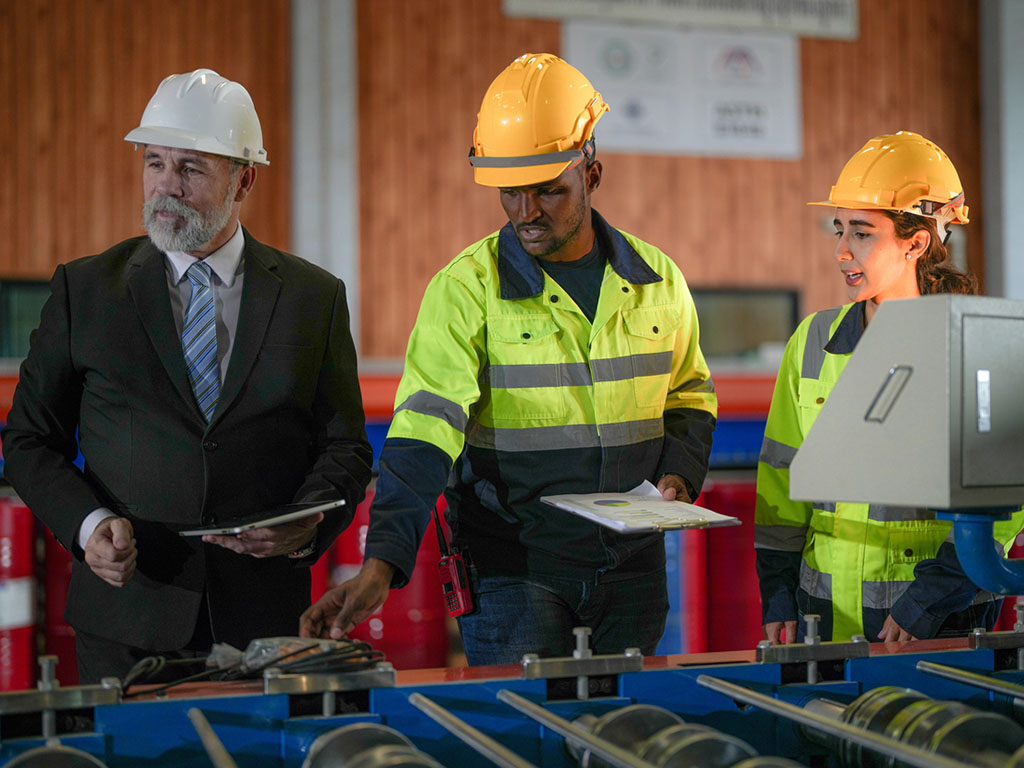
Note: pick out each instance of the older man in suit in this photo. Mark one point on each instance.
(204, 376)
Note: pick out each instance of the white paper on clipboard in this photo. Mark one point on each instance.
(638, 511)
(285, 513)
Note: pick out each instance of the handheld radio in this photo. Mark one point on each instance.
(454, 578)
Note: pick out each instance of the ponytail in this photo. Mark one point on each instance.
(934, 273)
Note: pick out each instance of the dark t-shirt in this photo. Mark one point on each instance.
(581, 279)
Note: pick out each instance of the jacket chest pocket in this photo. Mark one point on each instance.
(811, 396)
(651, 339)
(527, 370)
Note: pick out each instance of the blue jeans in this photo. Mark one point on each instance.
(515, 616)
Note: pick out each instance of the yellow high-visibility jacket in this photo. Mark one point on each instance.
(507, 378)
(852, 563)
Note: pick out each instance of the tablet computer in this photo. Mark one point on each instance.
(285, 513)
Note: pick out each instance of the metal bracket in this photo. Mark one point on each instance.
(383, 676)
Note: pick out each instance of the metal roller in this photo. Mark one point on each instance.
(689, 744)
(946, 728)
(625, 727)
(393, 756)
(340, 747)
(958, 730)
(872, 712)
(55, 757)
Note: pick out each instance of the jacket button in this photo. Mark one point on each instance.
(210, 445)
(526, 335)
(820, 400)
(554, 299)
(908, 552)
(625, 289)
(655, 329)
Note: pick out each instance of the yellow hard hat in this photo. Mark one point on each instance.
(902, 172)
(536, 119)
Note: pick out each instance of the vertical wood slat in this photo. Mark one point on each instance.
(76, 76)
(726, 221)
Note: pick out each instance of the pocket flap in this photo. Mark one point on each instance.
(521, 329)
(652, 322)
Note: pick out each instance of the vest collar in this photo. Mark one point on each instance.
(850, 329)
(521, 277)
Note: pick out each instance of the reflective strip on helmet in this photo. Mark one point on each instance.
(886, 514)
(524, 161)
(429, 404)
(777, 455)
(781, 538)
(817, 338)
(814, 582)
(562, 437)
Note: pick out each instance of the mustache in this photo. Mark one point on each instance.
(164, 204)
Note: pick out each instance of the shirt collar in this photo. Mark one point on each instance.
(224, 261)
(520, 276)
(850, 329)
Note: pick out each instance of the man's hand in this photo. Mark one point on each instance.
(342, 608)
(673, 488)
(110, 551)
(269, 542)
(893, 632)
(773, 631)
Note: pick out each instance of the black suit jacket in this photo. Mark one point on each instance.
(106, 361)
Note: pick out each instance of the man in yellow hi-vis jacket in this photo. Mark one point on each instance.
(558, 355)
(889, 573)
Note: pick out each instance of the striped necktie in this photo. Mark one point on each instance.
(199, 340)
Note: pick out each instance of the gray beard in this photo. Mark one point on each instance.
(197, 230)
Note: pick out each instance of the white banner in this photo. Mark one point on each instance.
(688, 93)
(804, 18)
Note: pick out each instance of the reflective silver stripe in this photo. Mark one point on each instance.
(784, 538)
(562, 437)
(777, 455)
(882, 594)
(887, 514)
(825, 506)
(814, 346)
(632, 432)
(430, 404)
(525, 160)
(538, 375)
(815, 583)
(631, 366)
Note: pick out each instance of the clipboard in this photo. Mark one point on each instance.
(285, 513)
(638, 513)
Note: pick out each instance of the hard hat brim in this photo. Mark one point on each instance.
(525, 176)
(178, 139)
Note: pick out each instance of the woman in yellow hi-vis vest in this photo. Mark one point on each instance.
(889, 573)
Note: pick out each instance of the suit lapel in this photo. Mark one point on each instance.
(259, 295)
(147, 285)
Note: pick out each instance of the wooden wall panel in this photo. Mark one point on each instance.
(75, 76)
(424, 66)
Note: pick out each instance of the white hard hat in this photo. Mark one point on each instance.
(205, 112)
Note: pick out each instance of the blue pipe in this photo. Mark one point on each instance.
(976, 548)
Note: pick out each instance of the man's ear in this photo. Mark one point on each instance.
(592, 175)
(246, 180)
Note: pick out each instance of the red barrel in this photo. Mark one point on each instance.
(411, 627)
(17, 596)
(60, 637)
